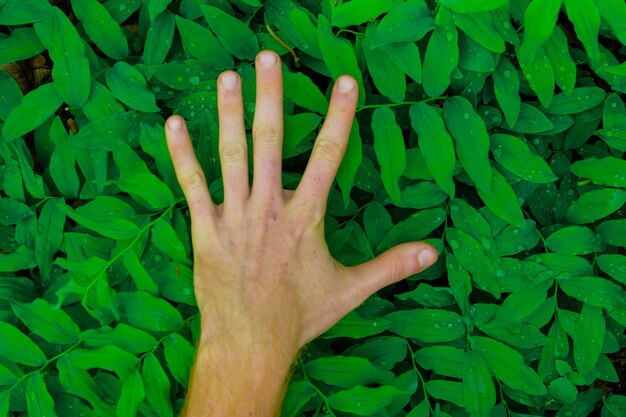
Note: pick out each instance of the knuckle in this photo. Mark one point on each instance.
(232, 152)
(306, 216)
(266, 134)
(193, 180)
(396, 269)
(328, 150)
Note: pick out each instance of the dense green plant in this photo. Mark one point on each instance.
(493, 129)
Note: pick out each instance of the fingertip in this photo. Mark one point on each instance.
(346, 84)
(175, 124)
(427, 257)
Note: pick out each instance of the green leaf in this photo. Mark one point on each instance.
(35, 108)
(129, 86)
(22, 258)
(13, 212)
(209, 51)
(347, 371)
(62, 161)
(585, 17)
(49, 234)
(584, 404)
(387, 77)
(521, 304)
(147, 312)
(472, 6)
(16, 347)
(164, 237)
(616, 404)
(563, 390)
(157, 6)
(302, 91)
(478, 26)
(502, 200)
(295, 25)
(563, 66)
(107, 225)
(133, 393)
(428, 325)
(101, 28)
(43, 319)
(442, 54)
(39, 402)
(356, 12)
(364, 401)
(138, 181)
(539, 21)
(449, 391)
(298, 394)
(19, 12)
(479, 393)
(472, 140)
(443, 360)
(614, 12)
(355, 326)
(602, 171)
(21, 44)
(422, 410)
(297, 128)
(11, 94)
(350, 163)
(588, 338)
(576, 101)
(412, 16)
(436, 145)
(389, 148)
(614, 266)
(78, 382)
(506, 87)
(508, 365)
(123, 336)
(415, 227)
(598, 292)
(515, 155)
(406, 57)
(159, 38)
(338, 55)
(179, 355)
(111, 358)
(461, 287)
(574, 240)
(530, 120)
(540, 76)
(157, 386)
(471, 256)
(70, 69)
(234, 34)
(376, 222)
(384, 352)
(596, 205)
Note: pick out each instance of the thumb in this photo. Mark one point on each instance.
(391, 266)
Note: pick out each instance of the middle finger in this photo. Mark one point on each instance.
(267, 128)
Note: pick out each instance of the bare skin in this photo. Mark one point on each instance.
(265, 282)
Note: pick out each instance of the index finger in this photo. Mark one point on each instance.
(330, 145)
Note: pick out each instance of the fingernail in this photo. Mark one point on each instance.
(426, 257)
(229, 80)
(346, 84)
(175, 123)
(267, 59)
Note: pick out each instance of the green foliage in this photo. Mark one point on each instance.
(495, 130)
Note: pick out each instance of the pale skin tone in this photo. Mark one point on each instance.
(265, 282)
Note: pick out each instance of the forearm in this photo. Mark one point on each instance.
(237, 379)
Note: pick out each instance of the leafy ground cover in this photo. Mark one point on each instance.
(493, 129)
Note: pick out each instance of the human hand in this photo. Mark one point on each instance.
(262, 269)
